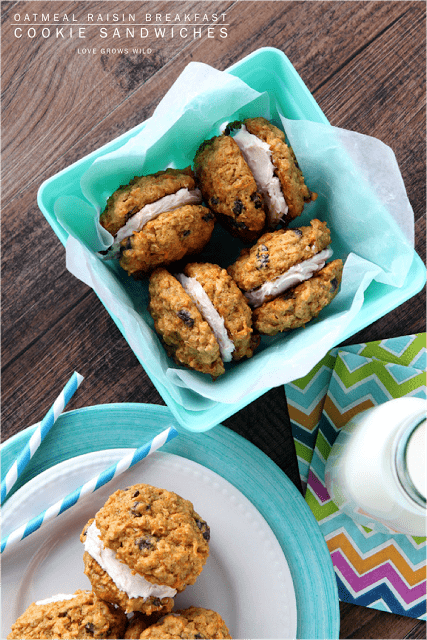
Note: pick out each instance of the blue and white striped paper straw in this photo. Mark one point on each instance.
(39, 434)
(88, 487)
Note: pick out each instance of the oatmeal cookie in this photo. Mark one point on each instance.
(194, 622)
(81, 615)
(187, 337)
(143, 546)
(300, 304)
(166, 239)
(229, 188)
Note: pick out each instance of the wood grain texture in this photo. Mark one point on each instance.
(358, 622)
(364, 62)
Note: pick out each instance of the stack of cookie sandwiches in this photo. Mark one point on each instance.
(206, 314)
(142, 547)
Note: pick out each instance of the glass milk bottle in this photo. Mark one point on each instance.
(376, 471)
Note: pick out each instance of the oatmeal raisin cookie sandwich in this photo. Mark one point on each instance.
(156, 220)
(285, 278)
(143, 547)
(250, 178)
(275, 169)
(202, 317)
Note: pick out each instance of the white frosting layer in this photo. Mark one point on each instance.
(58, 598)
(151, 211)
(257, 155)
(196, 292)
(293, 276)
(134, 585)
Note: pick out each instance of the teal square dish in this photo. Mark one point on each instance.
(266, 69)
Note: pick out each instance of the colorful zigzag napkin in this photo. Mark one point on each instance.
(306, 396)
(373, 569)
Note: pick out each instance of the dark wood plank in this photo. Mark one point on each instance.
(360, 622)
(418, 631)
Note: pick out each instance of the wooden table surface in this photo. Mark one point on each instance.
(364, 62)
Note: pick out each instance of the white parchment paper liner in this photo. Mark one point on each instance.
(361, 197)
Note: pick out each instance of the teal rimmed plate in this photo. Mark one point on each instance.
(230, 456)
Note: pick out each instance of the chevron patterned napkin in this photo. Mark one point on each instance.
(377, 570)
(306, 396)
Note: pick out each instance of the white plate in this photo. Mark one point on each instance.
(246, 578)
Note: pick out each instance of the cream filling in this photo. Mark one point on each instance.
(196, 292)
(134, 585)
(139, 219)
(58, 598)
(257, 155)
(293, 276)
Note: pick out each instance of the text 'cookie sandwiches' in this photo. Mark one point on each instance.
(191, 623)
(156, 220)
(78, 615)
(250, 178)
(270, 272)
(202, 317)
(144, 546)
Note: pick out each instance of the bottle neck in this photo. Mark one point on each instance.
(410, 459)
